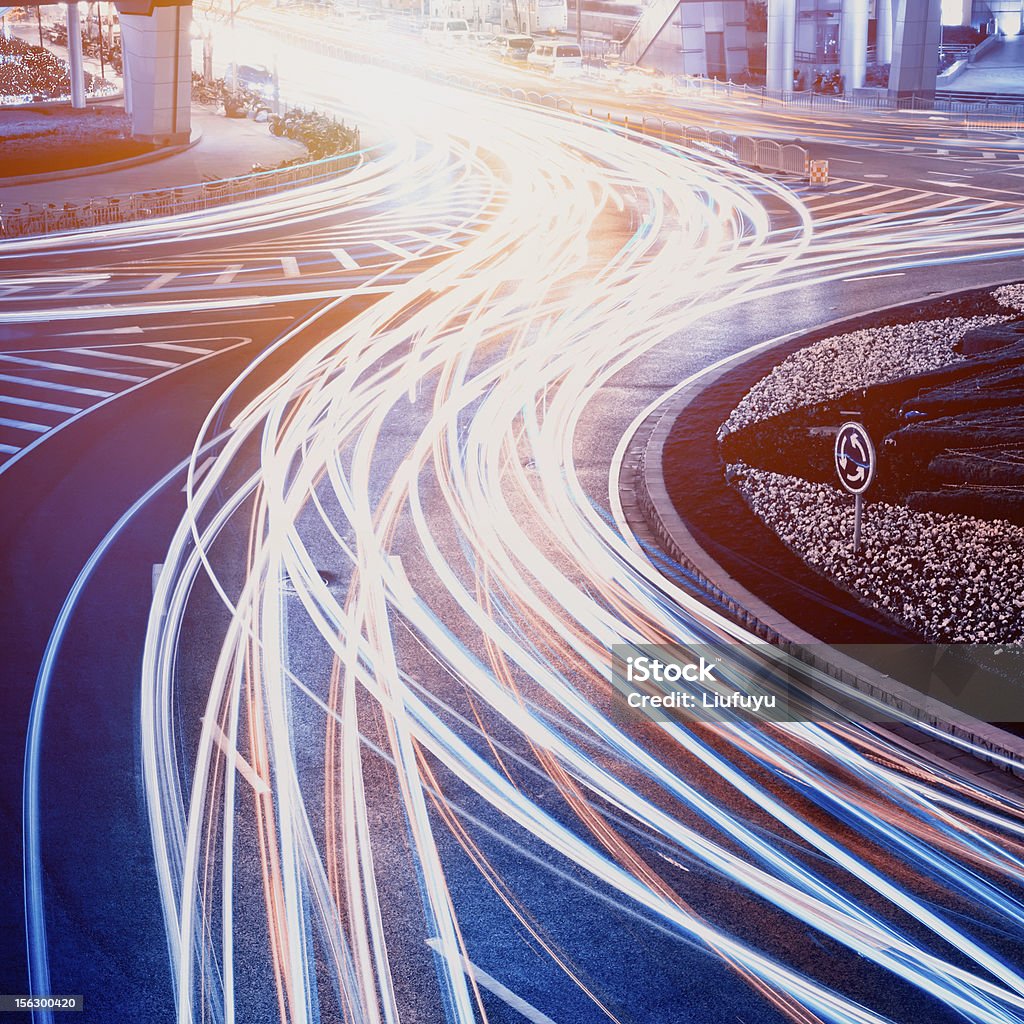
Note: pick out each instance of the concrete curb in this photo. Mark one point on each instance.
(765, 622)
(114, 165)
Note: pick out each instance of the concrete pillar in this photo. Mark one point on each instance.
(157, 51)
(75, 57)
(915, 49)
(853, 43)
(781, 44)
(883, 36)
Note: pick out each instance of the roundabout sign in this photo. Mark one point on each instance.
(855, 458)
(855, 464)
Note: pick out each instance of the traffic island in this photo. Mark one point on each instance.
(943, 523)
(763, 545)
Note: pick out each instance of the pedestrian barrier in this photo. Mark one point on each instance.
(40, 219)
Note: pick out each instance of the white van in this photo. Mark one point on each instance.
(446, 31)
(558, 58)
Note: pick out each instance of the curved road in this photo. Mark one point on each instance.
(366, 764)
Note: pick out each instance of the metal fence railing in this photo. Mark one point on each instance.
(44, 218)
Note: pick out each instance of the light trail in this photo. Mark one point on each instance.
(448, 681)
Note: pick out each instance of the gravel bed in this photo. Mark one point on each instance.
(951, 578)
(835, 366)
(1011, 296)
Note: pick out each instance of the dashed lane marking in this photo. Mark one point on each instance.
(228, 275)
(158, 282)
(344, 259)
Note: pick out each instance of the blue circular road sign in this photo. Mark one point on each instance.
(855, 458)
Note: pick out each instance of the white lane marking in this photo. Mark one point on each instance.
(874, 277)
(506, 995)
(60, 279)
(243, 767)
(397, 250)
(158, 282)
(988, 155)
(290, 266)
(876, 175)
(109, 330)
(420, 237)
(844, 160)
(33, 404)
(68, 292)
(36, 428)
(120, 357)
(86, 371)
(10, 289)
(344, 259)
(10, 449)
(177, 346)
(201, 470)
(228, 274)
(53, 386)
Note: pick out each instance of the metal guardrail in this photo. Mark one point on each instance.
(45, 218)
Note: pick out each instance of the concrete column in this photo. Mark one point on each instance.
(853, 43)
(75, 57)
(781, 44)
(126, 78)
(158, 56)
(884, 10)
(915, 49)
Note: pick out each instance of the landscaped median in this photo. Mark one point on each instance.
(30, 219)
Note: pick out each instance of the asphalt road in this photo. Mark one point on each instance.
(354, 740)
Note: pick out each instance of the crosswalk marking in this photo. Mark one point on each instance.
(88, 371)
(344, 259)
(100, 353)
(32, 403)
(228, 274)
(10, 449)
(53, 385)
(290, 266)
(158, 282)
(36, 428)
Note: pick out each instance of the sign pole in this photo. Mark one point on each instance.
(858, 505)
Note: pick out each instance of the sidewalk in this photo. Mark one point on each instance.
(999, 70)
(228, 147)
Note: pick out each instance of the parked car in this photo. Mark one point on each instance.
(637, 79)
(561, 59)
(513, 48)
(257, 77)
(446, 32)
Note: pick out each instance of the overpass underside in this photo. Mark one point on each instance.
(708, 37)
